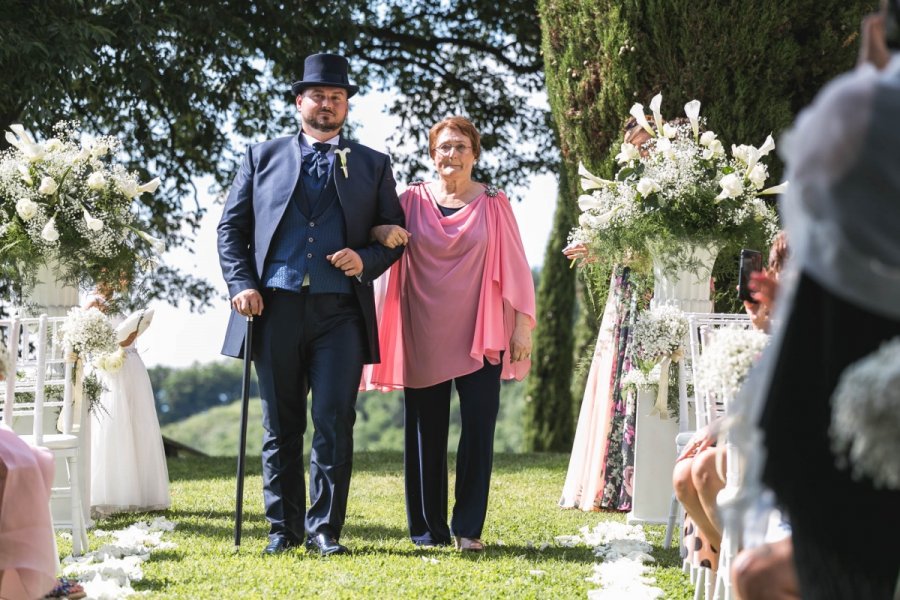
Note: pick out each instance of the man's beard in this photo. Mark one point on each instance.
(321, 125)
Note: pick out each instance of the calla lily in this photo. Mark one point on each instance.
(669, 131)
(692, 110)
(48, 186)
(767, 146)
(637, 111)
(587, 202)
(21, 140)
(775, 189)
(26, 176)
(93, 223)
(590, 181)
(655, 106)
(342, 154)
(157, 244)
(150, 186)
(49, 232)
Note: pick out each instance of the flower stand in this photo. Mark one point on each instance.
(688, 288)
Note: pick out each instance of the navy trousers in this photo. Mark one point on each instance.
(427, 421)
(308, 342)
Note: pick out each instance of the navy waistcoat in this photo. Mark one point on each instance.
(308, 231)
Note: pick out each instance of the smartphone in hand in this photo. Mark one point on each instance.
(751, 261)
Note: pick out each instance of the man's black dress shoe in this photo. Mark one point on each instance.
(279, 544)
(324, 544)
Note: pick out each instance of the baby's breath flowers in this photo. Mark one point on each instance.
(865, 418)
(679, 186)
(726, 360)
(68, 204)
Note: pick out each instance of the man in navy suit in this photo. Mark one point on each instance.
(295, 251)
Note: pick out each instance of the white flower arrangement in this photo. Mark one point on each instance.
(865, 418)
(658, 334)
(65, 203)
(726, 360)
(87, 333)
(679, 186)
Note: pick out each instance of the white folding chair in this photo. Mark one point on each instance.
(41, 366)
(698, 410)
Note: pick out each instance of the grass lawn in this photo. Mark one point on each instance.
(522, 516)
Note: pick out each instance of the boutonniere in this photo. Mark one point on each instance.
(342, 154)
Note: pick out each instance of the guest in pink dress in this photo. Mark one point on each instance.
(28, 559)
(458, 307)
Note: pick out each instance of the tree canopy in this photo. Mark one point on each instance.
(184, 84)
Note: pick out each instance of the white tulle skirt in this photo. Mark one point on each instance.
(128, 463)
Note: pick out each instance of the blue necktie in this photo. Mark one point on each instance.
(317, 163)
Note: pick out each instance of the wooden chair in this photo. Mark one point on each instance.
(39, 364)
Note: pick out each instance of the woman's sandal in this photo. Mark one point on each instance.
(465, 544)
(67, 588)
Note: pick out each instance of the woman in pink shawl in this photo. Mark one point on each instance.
(458, 307)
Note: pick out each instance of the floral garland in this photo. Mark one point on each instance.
(678, 187)
(865, 417)
(726, 360)
(65, 204)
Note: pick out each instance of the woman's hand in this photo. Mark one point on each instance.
(702, 439)
(872, 45)
(576, 251)
(520, 342)
(129, 340)
(390, 236)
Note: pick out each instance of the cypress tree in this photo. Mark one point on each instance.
(753, 64)
(548, 410)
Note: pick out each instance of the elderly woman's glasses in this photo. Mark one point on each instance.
(446, 149)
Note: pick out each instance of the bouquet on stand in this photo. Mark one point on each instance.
(678, 187)
(68, 206)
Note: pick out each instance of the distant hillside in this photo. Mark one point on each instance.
(379, 425)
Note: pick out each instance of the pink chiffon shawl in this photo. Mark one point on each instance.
(451, 299)
(28, 557)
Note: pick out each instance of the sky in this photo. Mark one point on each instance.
(178, 337)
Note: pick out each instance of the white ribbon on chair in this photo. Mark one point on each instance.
(661, 407)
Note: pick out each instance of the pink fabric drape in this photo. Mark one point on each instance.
(27, 546)
(451, 300)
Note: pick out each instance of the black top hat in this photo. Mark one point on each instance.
(326, 70)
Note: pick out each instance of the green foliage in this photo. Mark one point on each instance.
(185, 85)
(522, 518)
(181, 393)
(549, 423)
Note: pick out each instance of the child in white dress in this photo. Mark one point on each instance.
(128, 463)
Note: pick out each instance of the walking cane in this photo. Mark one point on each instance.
(245, 402)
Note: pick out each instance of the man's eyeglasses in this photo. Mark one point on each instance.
(446, 149)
